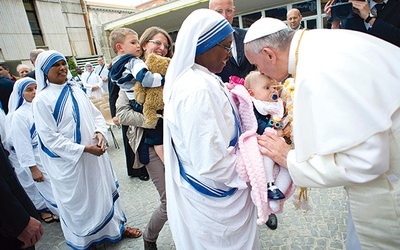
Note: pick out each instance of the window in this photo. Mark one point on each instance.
(310, 24)
(308, 8)
(34, 23)
(279, 13)
(249, 19)
(235, 22)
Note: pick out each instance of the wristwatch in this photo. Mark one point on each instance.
(370, 16)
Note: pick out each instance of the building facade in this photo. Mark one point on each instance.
(62, 25)
(80, 29)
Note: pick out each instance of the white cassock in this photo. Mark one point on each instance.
(90, 79)
(25, 141)
(347, 127)
(199, 120)
(102, 71)
(84, 185)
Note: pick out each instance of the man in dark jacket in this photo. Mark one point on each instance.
(375, 17)
(6, 87)
(19, 225)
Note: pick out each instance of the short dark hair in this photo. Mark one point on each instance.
(4, 65)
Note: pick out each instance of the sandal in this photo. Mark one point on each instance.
(47, 217)
(55, 217)
(130, 232)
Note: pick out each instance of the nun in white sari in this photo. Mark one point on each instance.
(21, 142)
(71, 132)
(209, 206)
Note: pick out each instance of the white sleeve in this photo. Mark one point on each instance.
(99, 81)
(21, 139)
(360, 164)
(84, 79)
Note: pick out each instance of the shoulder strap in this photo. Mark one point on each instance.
(102, 67)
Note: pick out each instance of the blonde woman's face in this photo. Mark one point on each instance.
(158, 45)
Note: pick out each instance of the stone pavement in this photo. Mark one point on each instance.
(324, 228)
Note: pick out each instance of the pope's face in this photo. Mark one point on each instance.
(273, 68)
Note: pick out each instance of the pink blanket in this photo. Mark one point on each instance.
(250, 164)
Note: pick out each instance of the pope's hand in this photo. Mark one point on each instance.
(274, 147)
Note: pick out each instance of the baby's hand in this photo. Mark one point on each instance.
(229, 86)
(280, 132)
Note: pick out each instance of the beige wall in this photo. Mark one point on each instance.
(16, 39)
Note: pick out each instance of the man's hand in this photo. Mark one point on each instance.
(31, 233)
(328, 11)
(95, 87)
(361, 8)
(327, 8)
(275, 148)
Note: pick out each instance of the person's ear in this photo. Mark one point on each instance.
(119, 48)
(269, 55)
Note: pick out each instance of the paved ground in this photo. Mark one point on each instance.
(325, 228)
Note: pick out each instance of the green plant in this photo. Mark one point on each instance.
(72, 66)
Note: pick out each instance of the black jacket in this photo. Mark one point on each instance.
(386, 25)
(6, 87)
(16, 208)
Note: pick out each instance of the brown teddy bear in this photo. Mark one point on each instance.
(151, 98)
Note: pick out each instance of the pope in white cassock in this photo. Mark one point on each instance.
(73, 150)
(209, 206)
(346, 120)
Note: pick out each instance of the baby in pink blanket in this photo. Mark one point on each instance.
(269, 110)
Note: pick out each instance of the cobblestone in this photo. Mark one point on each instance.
(324, 228)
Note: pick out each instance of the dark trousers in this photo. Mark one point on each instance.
(130, 157)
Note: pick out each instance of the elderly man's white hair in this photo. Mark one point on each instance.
(212, 2)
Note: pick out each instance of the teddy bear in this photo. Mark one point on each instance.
(151, 98)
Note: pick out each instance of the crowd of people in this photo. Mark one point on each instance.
(344, 130)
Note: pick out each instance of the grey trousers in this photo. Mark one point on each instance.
(156, 171)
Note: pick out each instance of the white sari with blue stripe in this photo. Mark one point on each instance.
(19, 138)
(25, 143)
(85, 185)
(201, 124)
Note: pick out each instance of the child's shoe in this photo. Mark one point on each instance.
(274, 193)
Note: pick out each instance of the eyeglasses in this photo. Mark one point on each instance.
(228, 12)
(159, 43)
(227, 49)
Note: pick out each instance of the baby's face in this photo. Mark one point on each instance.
(265, 89)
